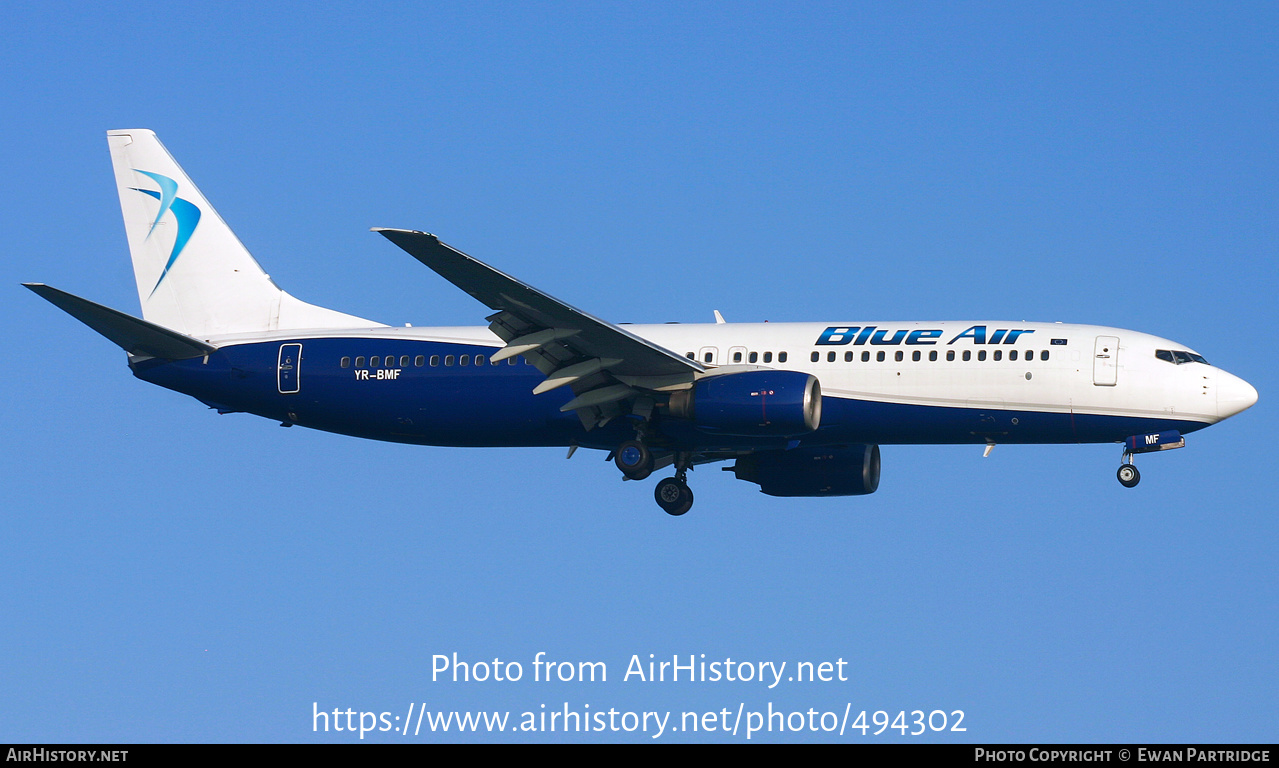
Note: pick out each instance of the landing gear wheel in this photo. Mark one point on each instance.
(634, 459)
(1128, 475)
(673, 496)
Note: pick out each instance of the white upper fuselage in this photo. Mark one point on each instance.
(956, 365)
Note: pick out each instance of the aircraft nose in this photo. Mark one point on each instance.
(1233, 395)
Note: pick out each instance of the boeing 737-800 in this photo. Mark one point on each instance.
(799, 408)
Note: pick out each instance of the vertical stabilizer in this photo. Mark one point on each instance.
(193, 274)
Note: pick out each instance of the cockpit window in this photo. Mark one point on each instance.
(1179, 356)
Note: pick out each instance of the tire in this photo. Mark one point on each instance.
(634, 459)
(1128, 475)
(675, 498)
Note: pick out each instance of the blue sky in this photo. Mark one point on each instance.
(169, 574)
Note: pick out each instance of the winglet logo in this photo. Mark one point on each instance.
(185, 212)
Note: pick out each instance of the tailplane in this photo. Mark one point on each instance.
(193, 274)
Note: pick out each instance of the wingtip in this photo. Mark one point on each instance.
(391, 232)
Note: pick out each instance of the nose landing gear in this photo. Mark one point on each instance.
(1158, 441)
(1128, 474)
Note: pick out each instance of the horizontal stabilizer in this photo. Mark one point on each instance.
(137, 337)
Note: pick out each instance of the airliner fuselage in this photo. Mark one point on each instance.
(887, 383)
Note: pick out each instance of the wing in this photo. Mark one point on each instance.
(608, 368)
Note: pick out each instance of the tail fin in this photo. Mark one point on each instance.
(193, 274)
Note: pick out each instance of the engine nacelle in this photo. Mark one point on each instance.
(846, 470)
(752, 403)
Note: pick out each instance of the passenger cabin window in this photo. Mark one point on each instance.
(346, 362)
(448, 360)
(848, 357)
(781, 357)
(999, 353)
(981, 355)
(968, 355)
(375, 361)
(898, 357)
(865, 357)
(479, 359)
(754, 357)
(419, 361)
(932, 356)
(1012, 355)
(879, 357)
(950, 355)
(465, 360)
(815, 356)
(690, 355)
(737, 357)
(915, 355)
(435, 360)
(359, 361)
(1043, 355)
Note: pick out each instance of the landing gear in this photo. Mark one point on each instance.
(674, 496)
(637, 462)
(634, 459)
(1128, 474)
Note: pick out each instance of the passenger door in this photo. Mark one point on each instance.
(1105, 361)
(288, 368)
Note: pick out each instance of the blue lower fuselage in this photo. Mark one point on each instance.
(493, 405)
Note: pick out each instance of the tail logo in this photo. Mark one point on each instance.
(186, 213)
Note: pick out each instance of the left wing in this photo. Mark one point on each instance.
(608, 368)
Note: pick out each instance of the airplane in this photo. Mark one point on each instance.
(799, 408)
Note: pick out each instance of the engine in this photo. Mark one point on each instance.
(752, 403)
(846, 470)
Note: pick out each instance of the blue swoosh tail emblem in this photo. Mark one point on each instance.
(185, 212)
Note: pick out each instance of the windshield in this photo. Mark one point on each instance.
(1179, 356)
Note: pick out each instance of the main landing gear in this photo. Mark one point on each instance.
(672, 494)
(634, 459)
